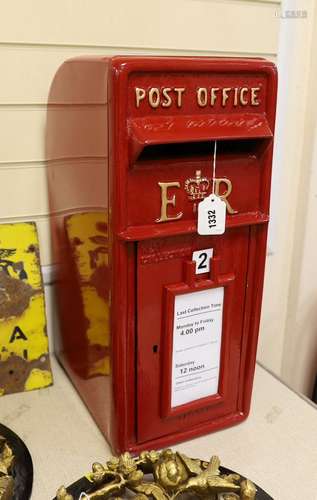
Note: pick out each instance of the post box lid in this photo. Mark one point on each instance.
(154, 130)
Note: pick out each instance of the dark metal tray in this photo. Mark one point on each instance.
(23, 466)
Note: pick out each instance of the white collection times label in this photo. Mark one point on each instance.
(197, 333)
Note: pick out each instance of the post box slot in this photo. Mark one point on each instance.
(157, 130)
(201, 149)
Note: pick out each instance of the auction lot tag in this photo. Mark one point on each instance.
(197, 333)
(211, 215)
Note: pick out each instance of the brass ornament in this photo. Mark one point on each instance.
(166, 201)
(197, 187)
(6, 464)
(174, 475)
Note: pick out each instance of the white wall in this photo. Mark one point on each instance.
(299, 364)
(288, 341)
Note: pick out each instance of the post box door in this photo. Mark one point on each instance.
(170, 400)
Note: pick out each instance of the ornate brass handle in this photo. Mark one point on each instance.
(173, 475)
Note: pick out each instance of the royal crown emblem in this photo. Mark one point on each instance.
(197, 187)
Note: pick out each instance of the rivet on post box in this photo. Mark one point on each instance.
(158, 324)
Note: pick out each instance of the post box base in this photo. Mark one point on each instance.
(201, 430)
(100, 411)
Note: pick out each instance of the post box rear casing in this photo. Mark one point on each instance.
(127, 139)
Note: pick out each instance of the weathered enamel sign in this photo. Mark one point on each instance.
(24, 361)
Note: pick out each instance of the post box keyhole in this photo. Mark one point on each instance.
(155, 349)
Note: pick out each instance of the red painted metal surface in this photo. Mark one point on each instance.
(154, 368)
(106, 154)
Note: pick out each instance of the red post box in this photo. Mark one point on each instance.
(159, 324)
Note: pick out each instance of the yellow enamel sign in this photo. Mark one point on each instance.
(24, 360)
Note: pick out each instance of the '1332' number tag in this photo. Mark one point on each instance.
(211, 215)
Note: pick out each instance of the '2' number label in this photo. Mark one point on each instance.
(202, 259)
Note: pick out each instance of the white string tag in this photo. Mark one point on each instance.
(211, 215)
(212, 210)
